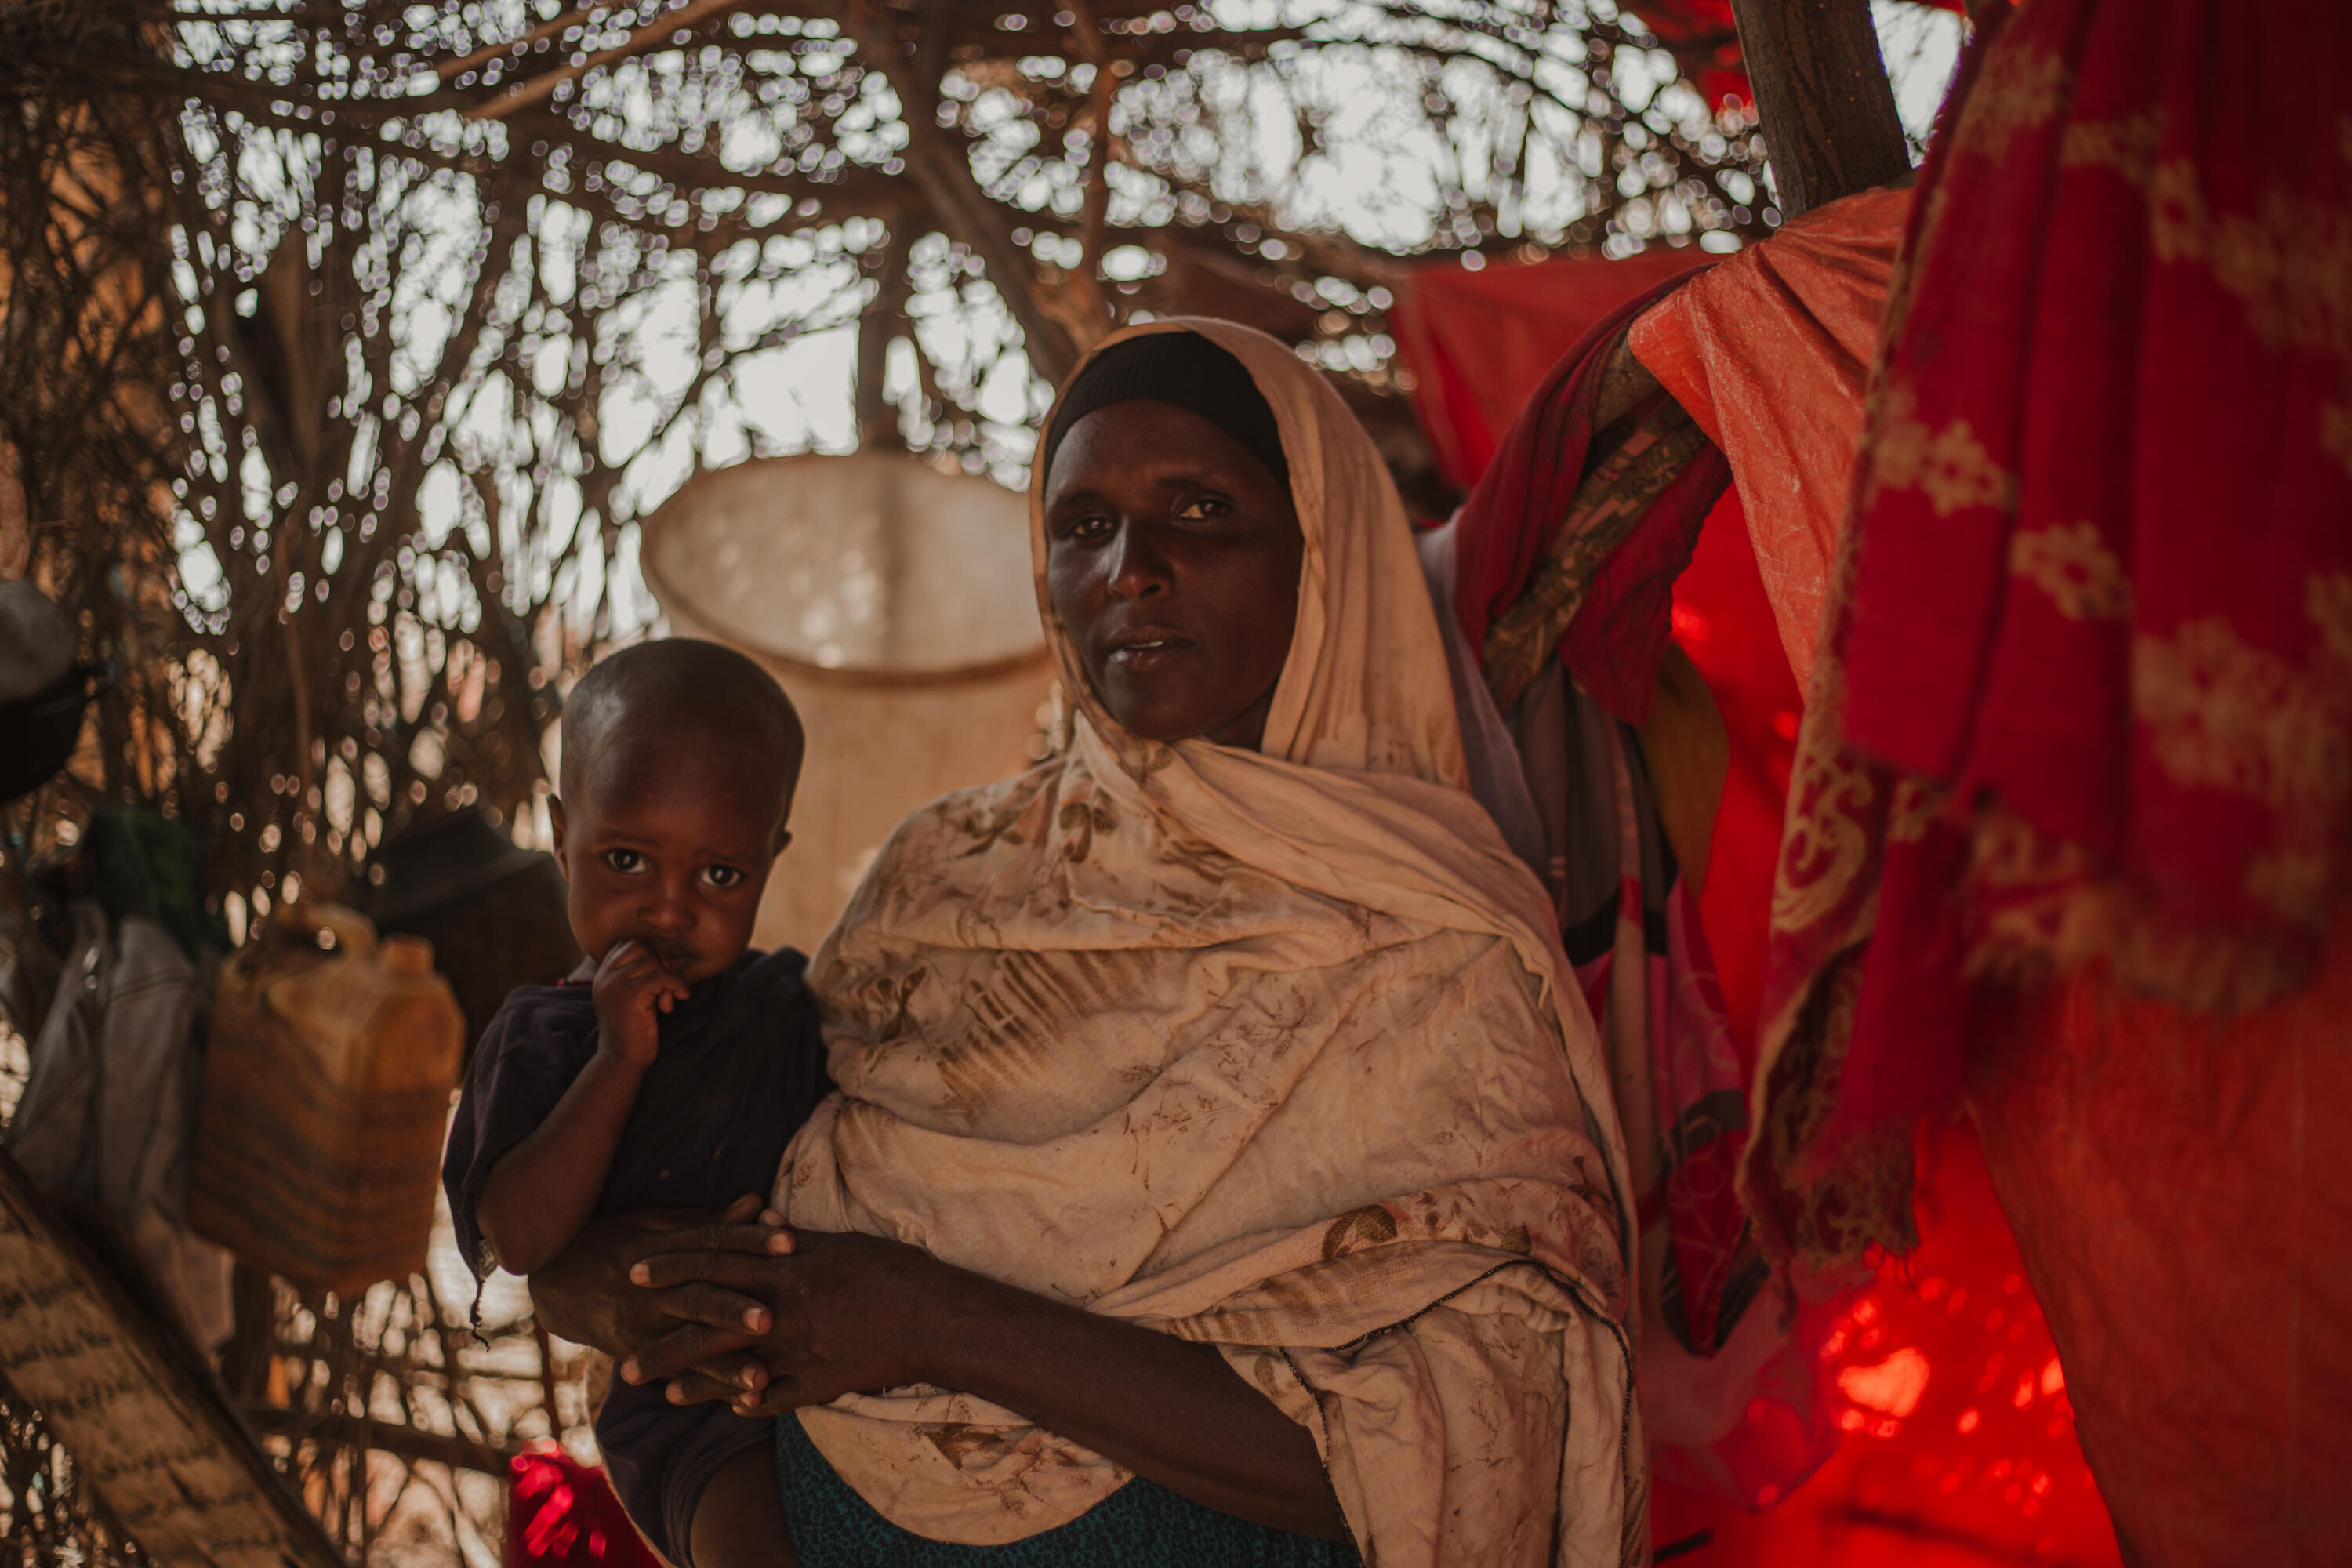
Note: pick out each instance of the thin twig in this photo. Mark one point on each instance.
(692, 15)
(487, 52)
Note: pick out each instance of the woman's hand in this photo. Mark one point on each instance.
(851, 1314)
(857, 1314)
(585, 1295)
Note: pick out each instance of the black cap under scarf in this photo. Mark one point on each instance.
(1180, 368)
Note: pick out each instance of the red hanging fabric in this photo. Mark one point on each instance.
(563, 1512)
(2072, 822)
(2091, 683)
(2105, 568)
(1470, 380)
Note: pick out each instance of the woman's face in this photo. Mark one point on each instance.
(1173, 556)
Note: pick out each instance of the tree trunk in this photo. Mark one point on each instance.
(1821, 90)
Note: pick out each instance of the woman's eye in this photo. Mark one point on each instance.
(1208, 508)
(722, 876)
(1090, 528)
(624, 860)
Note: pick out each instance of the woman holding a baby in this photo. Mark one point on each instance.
(1221, 1165)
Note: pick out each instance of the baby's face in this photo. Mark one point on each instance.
(670, 846)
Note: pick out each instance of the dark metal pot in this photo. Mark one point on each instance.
(37, 732)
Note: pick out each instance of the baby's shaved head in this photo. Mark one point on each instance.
(675, 698)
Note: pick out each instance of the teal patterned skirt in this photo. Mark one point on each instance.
(1141, 1525)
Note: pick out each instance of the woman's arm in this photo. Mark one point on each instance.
(1163, 1407)
(857, 1314)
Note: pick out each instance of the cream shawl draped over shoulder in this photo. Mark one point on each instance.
(1267, 1049)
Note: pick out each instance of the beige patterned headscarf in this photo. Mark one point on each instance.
(1267, 1049)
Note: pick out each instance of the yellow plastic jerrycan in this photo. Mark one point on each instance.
(327, 1083)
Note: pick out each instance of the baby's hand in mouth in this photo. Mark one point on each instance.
(634, 987)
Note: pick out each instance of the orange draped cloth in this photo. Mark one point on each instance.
(1770, 353)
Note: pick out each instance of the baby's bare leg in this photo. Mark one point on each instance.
(739, 1522)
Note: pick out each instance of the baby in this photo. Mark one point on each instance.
(671, 1070)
